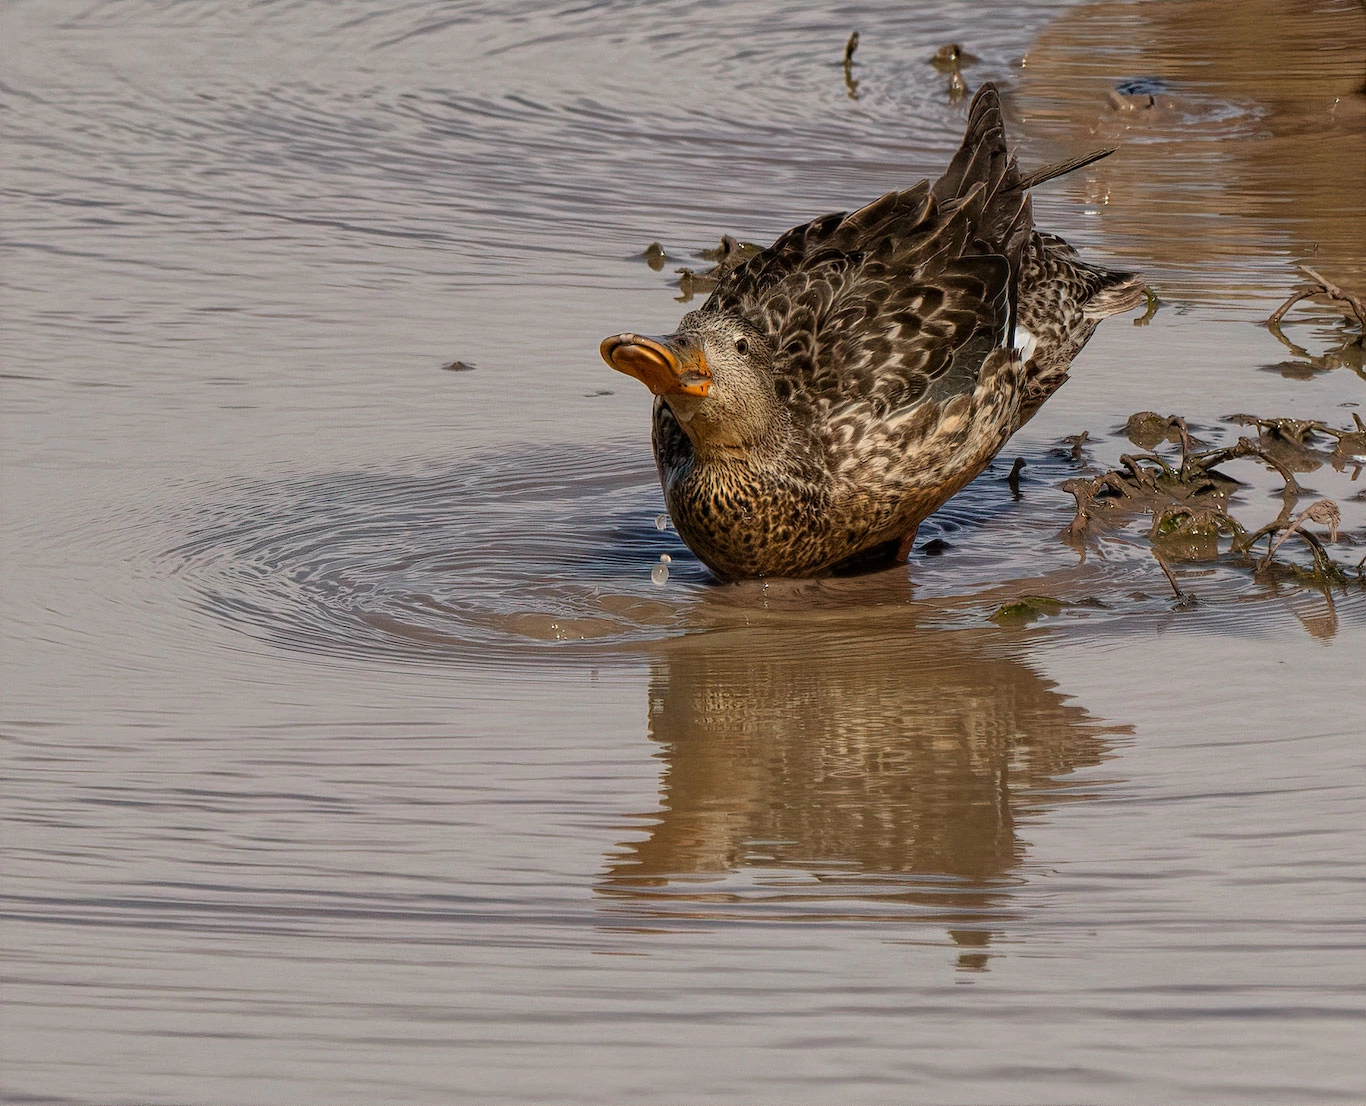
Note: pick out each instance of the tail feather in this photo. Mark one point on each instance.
(1064, 300)
(1122, 292)
(1061, 168)
(984, 179)
(1057, 300)
(983, 154)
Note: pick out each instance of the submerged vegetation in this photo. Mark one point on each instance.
(1186, 499)
(1350, 350)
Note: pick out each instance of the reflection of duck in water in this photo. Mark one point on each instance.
(838, 387)
(836, 767)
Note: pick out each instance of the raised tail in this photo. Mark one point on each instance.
(983, 156)
(1057, 300)
(983, 179)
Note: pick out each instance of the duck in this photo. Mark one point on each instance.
(838, 387)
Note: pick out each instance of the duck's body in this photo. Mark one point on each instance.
(837, 388)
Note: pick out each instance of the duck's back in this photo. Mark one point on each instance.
(881, 318)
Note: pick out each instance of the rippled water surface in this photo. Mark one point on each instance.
(370, 736)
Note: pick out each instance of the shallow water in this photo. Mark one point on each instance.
(353, 754)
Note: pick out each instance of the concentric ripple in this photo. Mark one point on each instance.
(470, 563)
(565, 554)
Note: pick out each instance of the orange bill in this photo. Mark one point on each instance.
(673, 364)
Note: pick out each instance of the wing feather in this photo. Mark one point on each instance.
(899, 304)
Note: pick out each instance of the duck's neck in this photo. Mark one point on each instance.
(741, 435)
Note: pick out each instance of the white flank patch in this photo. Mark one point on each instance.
(1025, 343)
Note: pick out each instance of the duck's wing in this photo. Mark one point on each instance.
(900, 301)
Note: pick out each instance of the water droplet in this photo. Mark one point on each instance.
(661, 522)
(660, 574)
(665, 559)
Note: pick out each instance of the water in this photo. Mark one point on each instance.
(355, 749)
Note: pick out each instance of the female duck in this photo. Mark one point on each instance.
(838, 387)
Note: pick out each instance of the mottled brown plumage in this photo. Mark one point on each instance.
(838, 387)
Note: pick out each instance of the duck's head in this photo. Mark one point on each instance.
(715, 373)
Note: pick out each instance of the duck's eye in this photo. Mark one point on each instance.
(741, 346)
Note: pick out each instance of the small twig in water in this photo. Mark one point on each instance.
(849, 48)
(1323, 511)
(1321, 286)
(1083, 491)
(1184, 599)
(1358, 308)
(1014, 478)
(1132, 462)
(850, 85)
(1246, 447)
(1178, 424)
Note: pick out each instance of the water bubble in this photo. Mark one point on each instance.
(665, 559)
(661, 522)
(659, 574)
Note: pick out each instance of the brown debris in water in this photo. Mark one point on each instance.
(1321, 286)
(1188, 502)
(949, 59)
(1325, 512)
(1014, 478)
(1153, 304)
(1291, 440)
(1351, 351)
(730, 253)
(654, 256)
(1077, 442)
(950, 56)
(1027, 608)
(850, 85)
(1148, 430)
